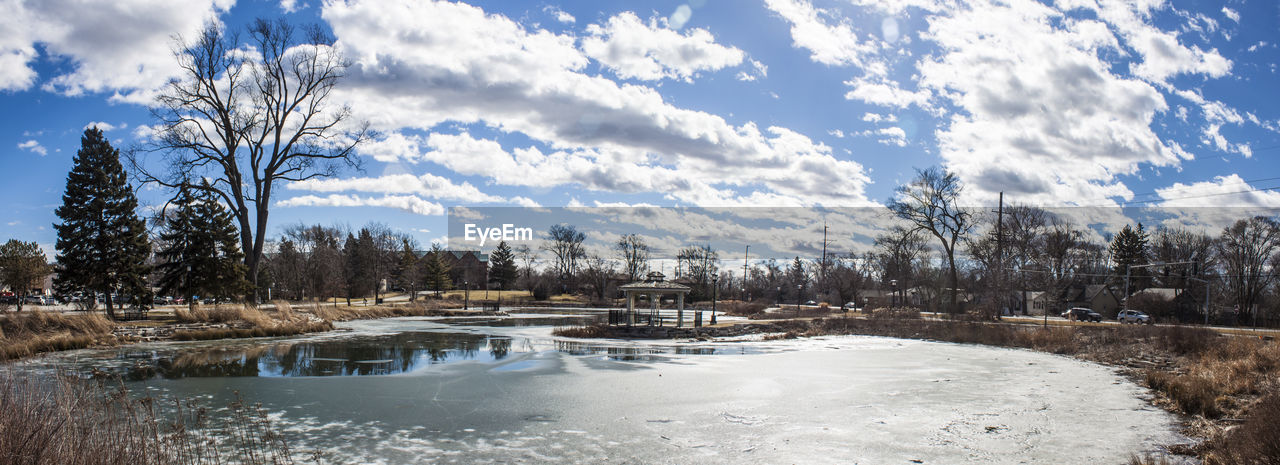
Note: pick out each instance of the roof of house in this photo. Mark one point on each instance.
(1167, 293)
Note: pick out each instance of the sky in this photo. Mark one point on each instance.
(706, 103)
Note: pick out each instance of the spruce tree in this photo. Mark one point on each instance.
(408, 272)
(1129, 249)
(436, 270)
(202, 254)
(102, 244)
(502, 266)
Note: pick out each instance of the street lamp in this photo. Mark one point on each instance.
(893, 284)
(466, 295)
(715, 287)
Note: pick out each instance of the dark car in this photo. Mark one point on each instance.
(1082, 314)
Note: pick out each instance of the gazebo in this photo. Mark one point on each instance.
(655, 286)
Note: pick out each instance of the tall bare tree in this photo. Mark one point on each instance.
(1247, 249)
(250, 115)
(635, 256)
(930, 203)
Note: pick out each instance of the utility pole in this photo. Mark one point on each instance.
(999, 296)
(745, 256)
(822, 283)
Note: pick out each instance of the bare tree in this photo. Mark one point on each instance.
(1063, 252)
(635, 256)
(249, 115)
(1247, 250)
(898, 254)
(929, 203)
(596, 273)
(565, 242)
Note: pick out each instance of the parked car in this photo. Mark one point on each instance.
(811, 303)
(34, 300)
(1082, 314)
(849, 306)
(1133, 316)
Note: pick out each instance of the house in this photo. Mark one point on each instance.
(1097, 297)
(467, 268)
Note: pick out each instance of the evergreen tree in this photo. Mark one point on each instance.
(360, 258)
(1129, 249)
(408, 272)
(502, 266)
(102, 244)
(201, 255)
(22, 265)
(436, 270)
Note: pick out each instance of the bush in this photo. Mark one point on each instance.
(739, 308)
(1257, 441)
(1193, 394)
(590, 331)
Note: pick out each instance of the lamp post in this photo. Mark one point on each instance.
(778, 300)
(715, 287)
(893, 285)
(466, 295)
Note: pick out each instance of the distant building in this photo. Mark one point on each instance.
(466, 266)
(1097, 297)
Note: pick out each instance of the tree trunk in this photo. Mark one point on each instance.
(111, 312)
(955, 282)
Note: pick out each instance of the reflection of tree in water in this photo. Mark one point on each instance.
(628, 353)
(499, 347)
(373, 355)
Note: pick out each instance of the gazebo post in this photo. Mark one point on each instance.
(653, 299)
(631, 308)
(680, 309)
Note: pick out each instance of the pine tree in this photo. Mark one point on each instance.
(22, 265)
(1129, 249)
(360, 255)
(102, 244)
(502, 266)
(202, 253)
(408, 271)
(436, 270)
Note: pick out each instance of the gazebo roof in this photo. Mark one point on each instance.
(655, 282)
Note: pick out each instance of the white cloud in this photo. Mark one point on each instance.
(121, 46)
(836, 132)
(420, 64)
(560, 15)
(104, 126)
(289, 6)
(407, 203)
(633, 49)
(876, 118)
(1222, 192)
(830, 45)
(34, 147)
(427, 185)
(885, 92)
(1231, 14)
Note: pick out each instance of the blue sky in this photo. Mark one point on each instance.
(698, 103)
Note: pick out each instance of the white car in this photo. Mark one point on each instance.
(850, 306)
(1133, 316)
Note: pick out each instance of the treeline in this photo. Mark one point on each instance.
(319, 262)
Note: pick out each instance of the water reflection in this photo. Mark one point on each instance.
(364, 355)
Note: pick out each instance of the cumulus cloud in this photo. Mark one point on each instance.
(409, 203)
(120, 46)
(828, 44)
(1221, 192)
(427, 185)
(419, 64)
(1025, 94)
(104, 126)
(33, 146)
(636, 50)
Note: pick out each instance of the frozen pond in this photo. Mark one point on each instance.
(415, 390)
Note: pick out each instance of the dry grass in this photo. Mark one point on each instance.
(419, 308)
(35, 332)
(589, 331)
(739, 308)
(67, 421)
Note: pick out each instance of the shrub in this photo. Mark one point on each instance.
(1257, 441)
(589, 331)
